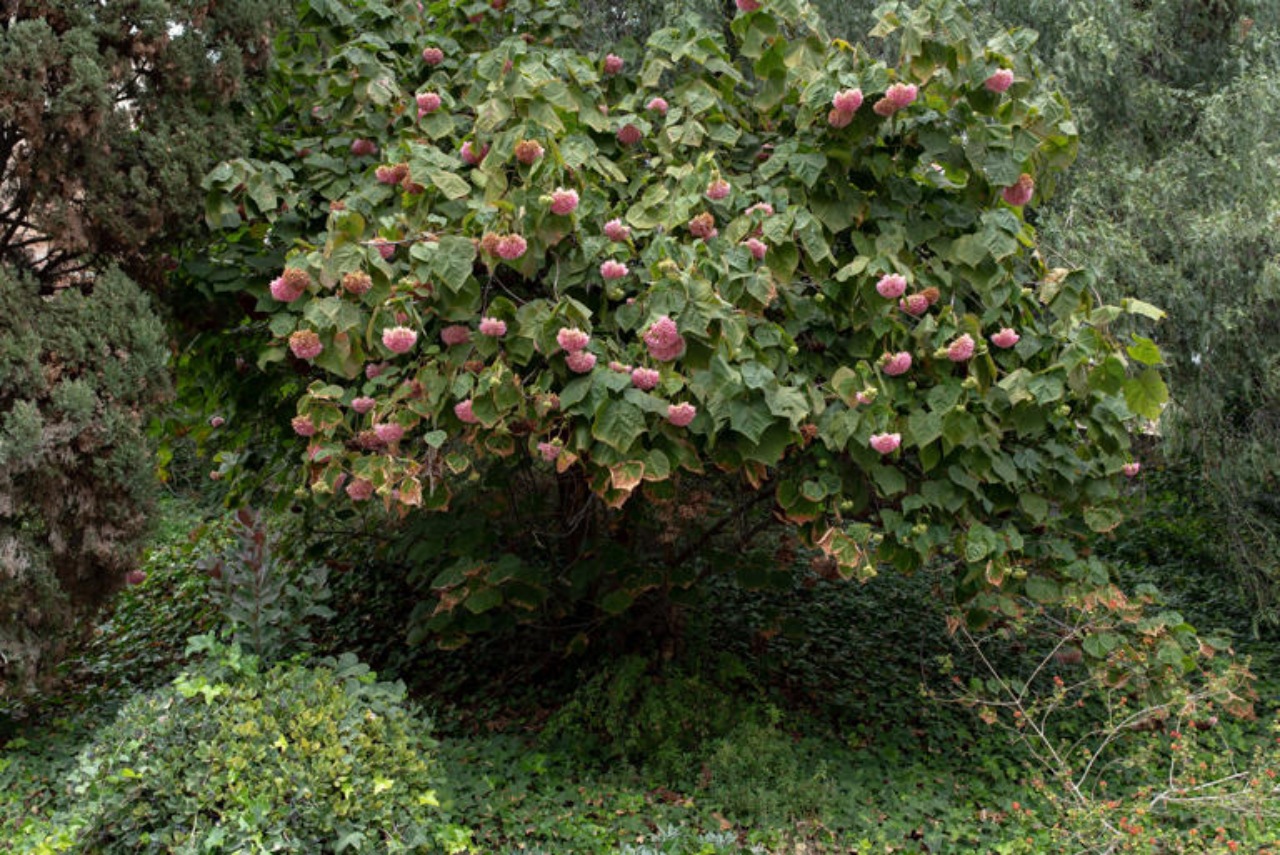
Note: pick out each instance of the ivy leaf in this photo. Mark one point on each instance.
(1146, 394)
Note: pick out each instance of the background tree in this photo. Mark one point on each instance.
(109, 116)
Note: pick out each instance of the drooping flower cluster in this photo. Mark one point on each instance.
(757, 247)
(1000, 80)
(428, 102)
(843, 105)
(886, 443)
(961, 350)
(360, 490)
(463, 411)
(658, 105)
(572, 339)
(681, 415)
(363, 404)
(357, 283)
(511, 247)
(898, 96)
(663, 340)
(1020, 193)
(629, 134)
(563, 202)
(645, 379)
(528, 152)
(611, 270)
(470, 156)
(399, 339)
(718, 189)
(613, 64)
(305, 344)
(303, 426)
(290, 285)
(1006, 338)
(389, 432)
(703, 226)
(432, 56)
(493, 327)
(891, 286)
(615, 230)
(580, 361)
(455, 334)
(896, 364)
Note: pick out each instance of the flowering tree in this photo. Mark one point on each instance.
(788, 264)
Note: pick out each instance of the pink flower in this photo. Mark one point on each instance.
(217, 422)
(629, 134)
(428, 102)
(914, 304)
(135, 577)
(847, 101)
(511, 247)
(357, 283)
(360, 490)
(385, 247)
(718, 189)
(463, 412)
(645, 378)
(282, 292)
(303, 426)
(470, 156)
(374, 369)
(658, 105)
(399, 339)
(901, 94)
(838, 119)
(363, 404)
(891, 286)
(549, 450)
(886, 443)
(616, 231)
(866, 396)
(493, 327)
(663, 340)
(572, 339)
(1005, 338)
(758, 248)
(290, 285)
(681, 415)
(612, 64)
(455, 334)
(895, 364)
(1131, 470)
(747, 5)
(613, 270)
(389, 433)
(761, 208)
(580, 361)
(362, 147)
(703, 226)
(884, 107)
(1001, 80)
(432, 56)
(563, 201)
(528, 152)
(1020, 193)
(961, 350)
(305, 344)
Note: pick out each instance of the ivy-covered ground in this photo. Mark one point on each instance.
(826, 718)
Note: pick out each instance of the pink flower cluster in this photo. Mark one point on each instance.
(961, 350)
(1021, 192)
(613, 64)
(303, 426)
(747, 5)
(896, 364)
(363, 404)
(290, 285)
(898, 96)
(493, 327)
(999, 81)
(399, 339)
(360, 490)
(615, 230)
(364, 148)
(914, 304)
(645, 379)
(572, 339)
(305, 344)
(549, 451)
(658, 105)
(1006, 338)
(681, 415)
(389, 432)
(428, 102)
(757, 247)
(463, 412)
(843, 105)
(718, 189)
(357, 282)
(612, 270)
(470, 156)
(580, 361)
(629, 134)
(891, 286)
(528, 152)
(886, 443)
(760, 208)
(385, 248)
(703, 226)
(455, 334)
(664, 340)
(432, 56)
(511, 247)
(1131, 470)
(563, 202)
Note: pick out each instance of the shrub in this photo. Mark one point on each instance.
(79, 372)
(229, 758)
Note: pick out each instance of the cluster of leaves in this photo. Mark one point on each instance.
(77, 376)
(740, 281)
(316, 759)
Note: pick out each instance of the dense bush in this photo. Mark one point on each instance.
(79, 374)
(233, 758)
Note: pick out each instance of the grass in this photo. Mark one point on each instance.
(791, 722)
